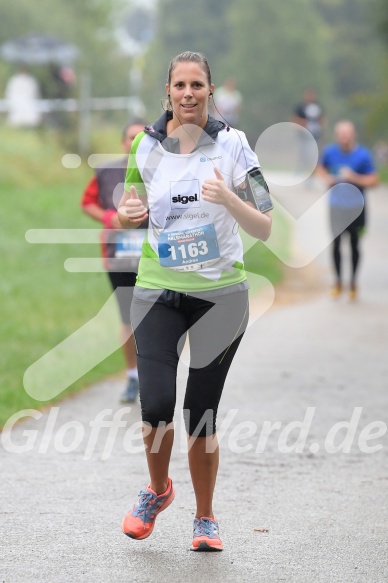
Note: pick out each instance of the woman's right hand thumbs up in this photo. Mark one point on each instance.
(131, 211)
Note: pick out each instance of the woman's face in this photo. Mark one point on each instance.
(189, 93)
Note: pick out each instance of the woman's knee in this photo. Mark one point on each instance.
(199, 423)
(155, 411)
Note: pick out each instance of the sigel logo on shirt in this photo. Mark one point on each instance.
(185, 193)
(185, 199)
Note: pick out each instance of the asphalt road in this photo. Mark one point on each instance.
(309, 510)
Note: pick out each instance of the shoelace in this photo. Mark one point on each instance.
(205, 527)
(145, 509)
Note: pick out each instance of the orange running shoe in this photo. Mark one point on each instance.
(352, 293)
(336, 291)
(206, 535)
(140, 521)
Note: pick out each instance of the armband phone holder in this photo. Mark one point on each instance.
(257, 191)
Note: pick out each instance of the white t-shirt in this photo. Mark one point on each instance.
(192, 244)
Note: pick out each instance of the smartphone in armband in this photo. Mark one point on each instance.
(257, 191)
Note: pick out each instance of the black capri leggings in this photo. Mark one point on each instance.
(215, 329)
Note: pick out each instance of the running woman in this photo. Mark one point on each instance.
(185, 173)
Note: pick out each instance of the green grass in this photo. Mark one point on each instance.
(383, 173)
(42, 304)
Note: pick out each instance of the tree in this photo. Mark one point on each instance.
(277, 51)
(87, 24)
(381, 12)
(377, 107)
(355, 56)
(354, 51)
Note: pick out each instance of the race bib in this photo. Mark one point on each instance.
(190, 249)
(129, 243)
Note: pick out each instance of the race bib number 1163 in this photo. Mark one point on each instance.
(190, 249)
